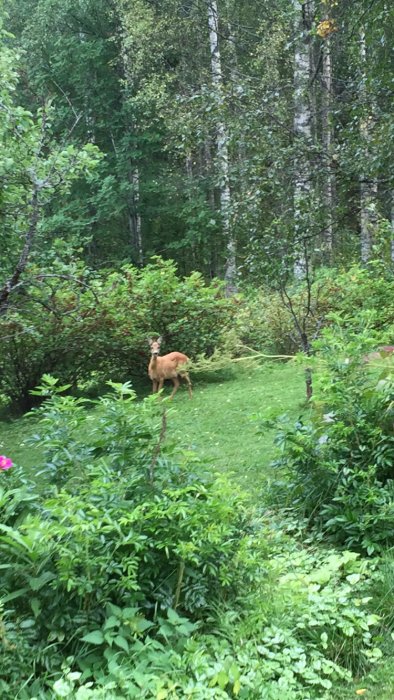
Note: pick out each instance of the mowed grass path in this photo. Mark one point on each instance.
(219, 424)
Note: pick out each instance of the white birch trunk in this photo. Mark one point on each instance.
(222, 148)
(302, 125)
(135, 215)
(327, 138)
(189, 175)
(368, 185)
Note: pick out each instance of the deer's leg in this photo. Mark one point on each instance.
(161, 382)
(189, 384)
(154, 386)
(176, 383)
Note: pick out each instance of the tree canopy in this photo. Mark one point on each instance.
(236, 138)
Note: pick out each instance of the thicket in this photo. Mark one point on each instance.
(265, 319)
(86, 326)
(339, 456)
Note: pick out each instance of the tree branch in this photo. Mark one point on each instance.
(13, 281)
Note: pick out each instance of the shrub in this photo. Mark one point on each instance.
(340, 458)
(118, 525)
(134, 576)
(316, 626)
(88, 323)
(263, 319)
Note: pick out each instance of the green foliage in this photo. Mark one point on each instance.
(81, 324)
(340, 460)
(263, 319)
(127, 579)
(34, 169)
(117, 525)
(292, 635)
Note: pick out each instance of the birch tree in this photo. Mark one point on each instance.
(222, 147)
(134, 214)
(325, 30)
(302, 126)
(368, 183)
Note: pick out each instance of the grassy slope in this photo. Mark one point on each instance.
(13, 434)
(218, 425)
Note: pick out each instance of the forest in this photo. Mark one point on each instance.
(213, 178)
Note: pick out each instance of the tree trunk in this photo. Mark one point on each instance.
(222, 149)
(134, 215)
(327, 139)
(368, 184)
(302, 125)
(13, 281)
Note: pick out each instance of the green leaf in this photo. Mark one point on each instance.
(62, 688)
(112, 621)
(35, 605)
(95, 637)
(37, 583)
(173, 617)
(121, 642)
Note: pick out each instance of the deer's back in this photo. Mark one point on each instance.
(166, 365)
(175, 357)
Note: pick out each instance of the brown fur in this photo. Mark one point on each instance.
(167, 367)
(381, 353)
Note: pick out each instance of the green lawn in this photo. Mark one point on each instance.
(220, 423)
(13, 435)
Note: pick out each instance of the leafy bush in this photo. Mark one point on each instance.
(340, 459)
(82, 324)
(263, 319)
(134, 576)
(292, 637)
(118, 525)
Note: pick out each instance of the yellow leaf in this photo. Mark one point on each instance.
(361, 691)
(236, 687)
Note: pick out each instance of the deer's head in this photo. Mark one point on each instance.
(155, 346)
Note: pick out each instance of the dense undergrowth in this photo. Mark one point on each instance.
(339, 460)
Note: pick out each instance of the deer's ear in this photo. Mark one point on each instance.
(150, 341)
(159, 340)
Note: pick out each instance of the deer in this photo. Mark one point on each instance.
(165, 367)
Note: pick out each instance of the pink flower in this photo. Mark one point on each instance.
(5, 463)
